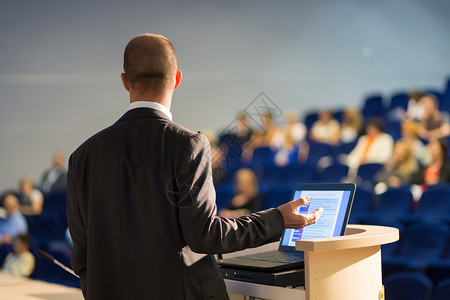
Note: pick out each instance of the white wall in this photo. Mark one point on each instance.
(60, 62)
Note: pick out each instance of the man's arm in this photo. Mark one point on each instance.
(204, 232)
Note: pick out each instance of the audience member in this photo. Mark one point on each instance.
(262, 137)
(351, 125)
(289, 141)
(20, 262)
(374, 147)
(433, 123)
(15, 223)
(399, 169)
(31, 200)
(246, 198)
(438, 171)
(410, 134)
(55, 178)
(414, 111)
(325, 129)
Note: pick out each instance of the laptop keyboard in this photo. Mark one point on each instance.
(275, 256)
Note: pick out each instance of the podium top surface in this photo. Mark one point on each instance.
(356, 236)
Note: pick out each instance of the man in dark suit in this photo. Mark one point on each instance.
(141, 201)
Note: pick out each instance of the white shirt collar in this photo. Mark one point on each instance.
(149, 104)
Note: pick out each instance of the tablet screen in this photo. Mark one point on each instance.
(336, 203)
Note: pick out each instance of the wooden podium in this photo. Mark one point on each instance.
(346, 267)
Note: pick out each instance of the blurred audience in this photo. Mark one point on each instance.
(246, 198)
(374, 147)
(20, 262)
(414, 111)
(438, 171)
(217, 156)
(55, 178)
(326, 129)
(399, 169)
(410, 134)
(31, 200)
(351, 125)
(434, 124)
(15, 223)
(289, 141)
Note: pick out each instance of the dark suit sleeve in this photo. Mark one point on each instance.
(76, 227)
(203, 231)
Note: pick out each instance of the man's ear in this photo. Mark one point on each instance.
(177, 79)
(125, 82)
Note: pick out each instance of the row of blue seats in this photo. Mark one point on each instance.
(415, 286)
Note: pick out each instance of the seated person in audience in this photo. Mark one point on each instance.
(238, 136)
(55, 178)
(21, 262)
(414, 111)
(434, 124)
(262, 137)
(399, 169)
(31, 200)
(351, 125)
(374, 147)
(15, 223)
(326, 129)
(438, 171)
(246, 198)
(289, 141)
(410, 134)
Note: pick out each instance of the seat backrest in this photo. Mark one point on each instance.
(333, 173)
(442, 291)
(367, 171)
(434, 201)
(424, 241)
(408, 285)
(394, 202)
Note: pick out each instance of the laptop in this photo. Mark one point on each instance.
(335, 198)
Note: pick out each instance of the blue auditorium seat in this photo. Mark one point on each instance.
(422, 243)
(310, 118)
(344, 148)
(439, 268)
(297, 173)
(260, 157)
(334, 173)
(317, 151)
(442, 291)
(277, 196)
(433, 205)
(373, 107)
(392, 204)
(399, 100)
(366, 172)
(408, 286)
(362, 205)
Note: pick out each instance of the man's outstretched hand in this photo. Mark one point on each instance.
(296, 220)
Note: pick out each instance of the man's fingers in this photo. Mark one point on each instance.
(312, 218)
(299, 202)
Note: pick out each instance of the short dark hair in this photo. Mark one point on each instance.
(149, 62)
(24, 238)
(376, 122)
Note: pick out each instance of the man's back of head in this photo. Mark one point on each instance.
(150, 64)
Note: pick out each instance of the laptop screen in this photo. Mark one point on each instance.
(336, 201)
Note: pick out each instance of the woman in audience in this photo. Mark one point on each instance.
(399, 169)
(31, 200)
(374, 147)
(438, 171)
(414, 110)
(289, 141)
(433, 124)
(21, 262)
(264, 137)
(351, 125)
(325, 129)
(246, 198)
(410, 134)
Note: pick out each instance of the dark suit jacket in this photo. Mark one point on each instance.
(140, 202)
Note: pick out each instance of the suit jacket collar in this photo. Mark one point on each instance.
(144, 112)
